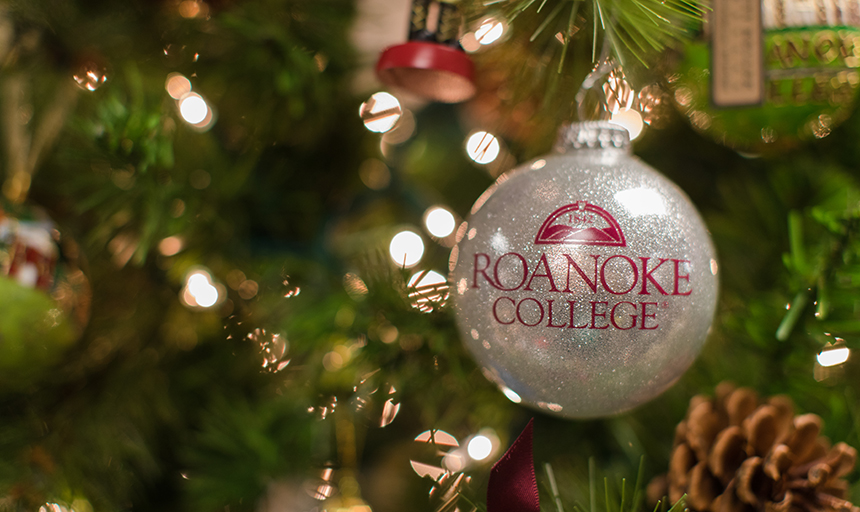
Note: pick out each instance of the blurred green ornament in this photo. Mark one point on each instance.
(763, 77)
(44, 295)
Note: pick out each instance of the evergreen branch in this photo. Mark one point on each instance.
(569, 36)
(546, 22)
(615, 500)
(649, 25)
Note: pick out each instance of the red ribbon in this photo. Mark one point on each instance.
(512, 486)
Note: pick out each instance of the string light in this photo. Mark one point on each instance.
(406, 248)
(490, 31)
(439, 221)
(428, 290)
(482, 147)
(480, 447)
(200, 290)
(381, 112)
(193, 108)
(833, 356)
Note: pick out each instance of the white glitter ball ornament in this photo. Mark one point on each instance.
(585, 282)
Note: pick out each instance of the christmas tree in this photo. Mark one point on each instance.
(227, 230)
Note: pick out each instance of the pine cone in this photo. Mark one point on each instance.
(735, 454)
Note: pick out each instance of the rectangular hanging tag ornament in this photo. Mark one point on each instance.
(737, 53)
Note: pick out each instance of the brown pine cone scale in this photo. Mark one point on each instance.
(734, 453)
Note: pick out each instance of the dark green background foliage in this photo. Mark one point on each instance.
(161, 408)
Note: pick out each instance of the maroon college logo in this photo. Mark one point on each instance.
(581, 223)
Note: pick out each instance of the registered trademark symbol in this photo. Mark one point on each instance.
(664, 305)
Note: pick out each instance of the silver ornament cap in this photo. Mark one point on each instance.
(584, 282)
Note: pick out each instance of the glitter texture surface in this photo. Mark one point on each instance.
(586, 285)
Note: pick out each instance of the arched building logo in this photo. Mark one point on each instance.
(581, 223)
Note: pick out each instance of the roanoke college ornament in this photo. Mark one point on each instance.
(585, 282)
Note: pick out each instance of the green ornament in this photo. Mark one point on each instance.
(763, 81)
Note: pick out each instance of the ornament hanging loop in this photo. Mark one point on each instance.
(604, 92)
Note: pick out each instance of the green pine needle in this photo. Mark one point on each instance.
(613, 501)
(637, 27)
(592, 487)
(546, 21)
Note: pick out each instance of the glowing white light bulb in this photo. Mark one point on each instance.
(426, 279)
(833, 356)
(193, 108)
(440, 222)
(489, 32)
(199, 286)
(482, 147)
(480, 447)
(406, 248)
(381, 112)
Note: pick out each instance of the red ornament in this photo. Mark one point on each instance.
(431, 64)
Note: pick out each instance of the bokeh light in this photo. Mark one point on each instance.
(170, 246)
(439, 221)
(193, 9)
(177, 85)
(402, 131)
(374, 174)
(204, 293)
(321, 488)
(90, 76)
(406, 248)
(833, 356)
(482, 147)
(428, 291)
(193, 108)
(480, 447)
(53, 507)
(655, 106)
(195, 111)
(490, 31)
(432, 444)
(377, 403)
(355, 286)
(201, 291)
(454, 461)
(380, 112)
(273, 348)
